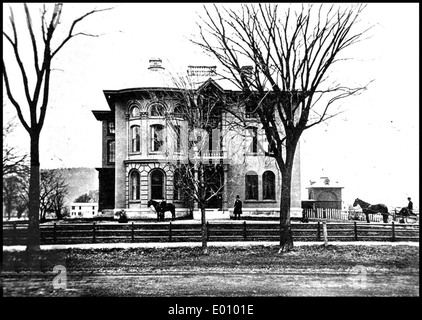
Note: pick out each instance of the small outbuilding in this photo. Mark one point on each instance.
(325, 194)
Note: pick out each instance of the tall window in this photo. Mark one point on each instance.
(110, 127)
(111, 151)
(157, 184)
(176, 185)
(178, 138)
(135, 181)
(157, 110)
(251, 110)
(134, 112)
(136, 139)
(268, 185)
(157, 135)
(252, 139)
(251, 186)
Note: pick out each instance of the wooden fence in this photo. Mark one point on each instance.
(15, 234)
(337, 214)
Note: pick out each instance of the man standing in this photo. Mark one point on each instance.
(237, 208)
(410, 206)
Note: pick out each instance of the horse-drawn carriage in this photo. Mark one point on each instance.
(404, 215)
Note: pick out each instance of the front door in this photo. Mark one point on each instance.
(214, 181)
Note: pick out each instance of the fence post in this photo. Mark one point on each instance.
(356, 231)
(207, 230)
(324, 229)
(170, 231)
(93, 232)
(393, 231)
(54, 233)
(14, 236)
(318, 231)
(244, 230)
(133, 232)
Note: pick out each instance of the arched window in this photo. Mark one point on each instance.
(156, 110)
(136, 138)
(134, 185)
(251, 186)
(268, 185)
(134, 112)
(157, 137)
(178, 111)
(157, 184)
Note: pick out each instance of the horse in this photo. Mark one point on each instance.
(372, 209)
(162, 207)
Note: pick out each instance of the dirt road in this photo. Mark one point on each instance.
(315, 270)
(223, 283)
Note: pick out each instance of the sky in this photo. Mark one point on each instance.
(371, 149)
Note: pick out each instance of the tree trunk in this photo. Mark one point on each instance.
(202, 207)
(204, 231)
(33, 241)
(286, 238)
(8, 204)
(59, 215)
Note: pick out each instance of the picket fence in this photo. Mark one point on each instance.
(337, 214)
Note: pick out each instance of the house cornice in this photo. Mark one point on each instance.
(102, 115)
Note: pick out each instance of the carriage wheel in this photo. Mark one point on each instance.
(412, 219)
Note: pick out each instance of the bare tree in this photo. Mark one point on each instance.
(15, 169)
(199, 171)
(280, 59)
(53, 190)
(36, 96)
(59, 191)
(13, 186)
(13, 161)
(46, 192)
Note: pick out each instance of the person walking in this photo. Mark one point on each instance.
(237, 208)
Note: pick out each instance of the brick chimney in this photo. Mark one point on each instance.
(155, 64)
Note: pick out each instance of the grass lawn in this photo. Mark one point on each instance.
(229, 271)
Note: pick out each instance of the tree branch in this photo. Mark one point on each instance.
(12, 99)
(75, 22)
(34, 43)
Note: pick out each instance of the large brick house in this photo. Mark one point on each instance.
(140, 149)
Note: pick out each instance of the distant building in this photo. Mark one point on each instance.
(83, 209)
(140, 150)
(325, 194)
